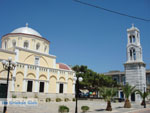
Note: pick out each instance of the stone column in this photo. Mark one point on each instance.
(47, 82)
(19, 42)
(33, 45)
(65, 88)
(57, 83)
(74, 84)
(66, 84)
(73, 90)
(36, 82)
(46, 87)
(57, 87)
(24, 81)
(58, 75)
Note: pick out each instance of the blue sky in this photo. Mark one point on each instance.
(81, 34)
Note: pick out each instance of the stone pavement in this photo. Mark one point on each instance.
(96, 106)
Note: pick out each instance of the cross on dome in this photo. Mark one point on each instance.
(27, 24)
(132, 25)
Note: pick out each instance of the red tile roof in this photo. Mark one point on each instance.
(64, 66)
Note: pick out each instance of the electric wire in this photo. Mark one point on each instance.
(108, 10)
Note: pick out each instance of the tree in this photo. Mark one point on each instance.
(108, 94)
(91, 79)
(128, 90)
(143, 96)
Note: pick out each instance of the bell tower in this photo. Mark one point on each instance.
(134, 66)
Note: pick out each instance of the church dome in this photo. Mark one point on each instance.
(26, 30)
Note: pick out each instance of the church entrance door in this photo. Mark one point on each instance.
(3, 89)
(133, 97)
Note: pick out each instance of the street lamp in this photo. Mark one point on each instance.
(8, 65)
(144, 98)
(77, 79)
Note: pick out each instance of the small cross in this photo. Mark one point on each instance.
(27, 24)
(132, 25)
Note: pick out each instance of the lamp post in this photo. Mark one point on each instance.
(8, 65)
(77, 79)
(144, 98)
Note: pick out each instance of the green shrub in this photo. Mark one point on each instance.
(63, 109)
(66, 99)
(58, 100)
(73, 99)
(35, 96)
(84, 109)
(48, 99)
(14, 96)
(25, 97)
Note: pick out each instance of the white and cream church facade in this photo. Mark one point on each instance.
(37, 71)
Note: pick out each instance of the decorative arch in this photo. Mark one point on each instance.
(42, 77)
(28, 57)
(13, 43)
(41, 57)
(31, 76)
(3, 74)
(37, 46)
(53, 76)
(19, 72)
(19, 81)
(132, 53)
(62, 79)
(26, 44)
(45, 60)
(70, 79)
(132, 38)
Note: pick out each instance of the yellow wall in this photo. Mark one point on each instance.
(19, 81)
(33, 41)
(52, 84)
(29, 58)
(70, 86)
(5, 55)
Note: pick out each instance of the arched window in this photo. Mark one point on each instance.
(132, 39)
(37, 46)
(45, 49)
(26, 44)
(14, 43)
(5, 44)
(132, 54)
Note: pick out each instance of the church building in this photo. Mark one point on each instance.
(37, 72)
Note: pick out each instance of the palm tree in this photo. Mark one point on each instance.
(108, 94)
(128, 90)
(143, 96)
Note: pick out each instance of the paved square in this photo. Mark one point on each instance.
(96, 106)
